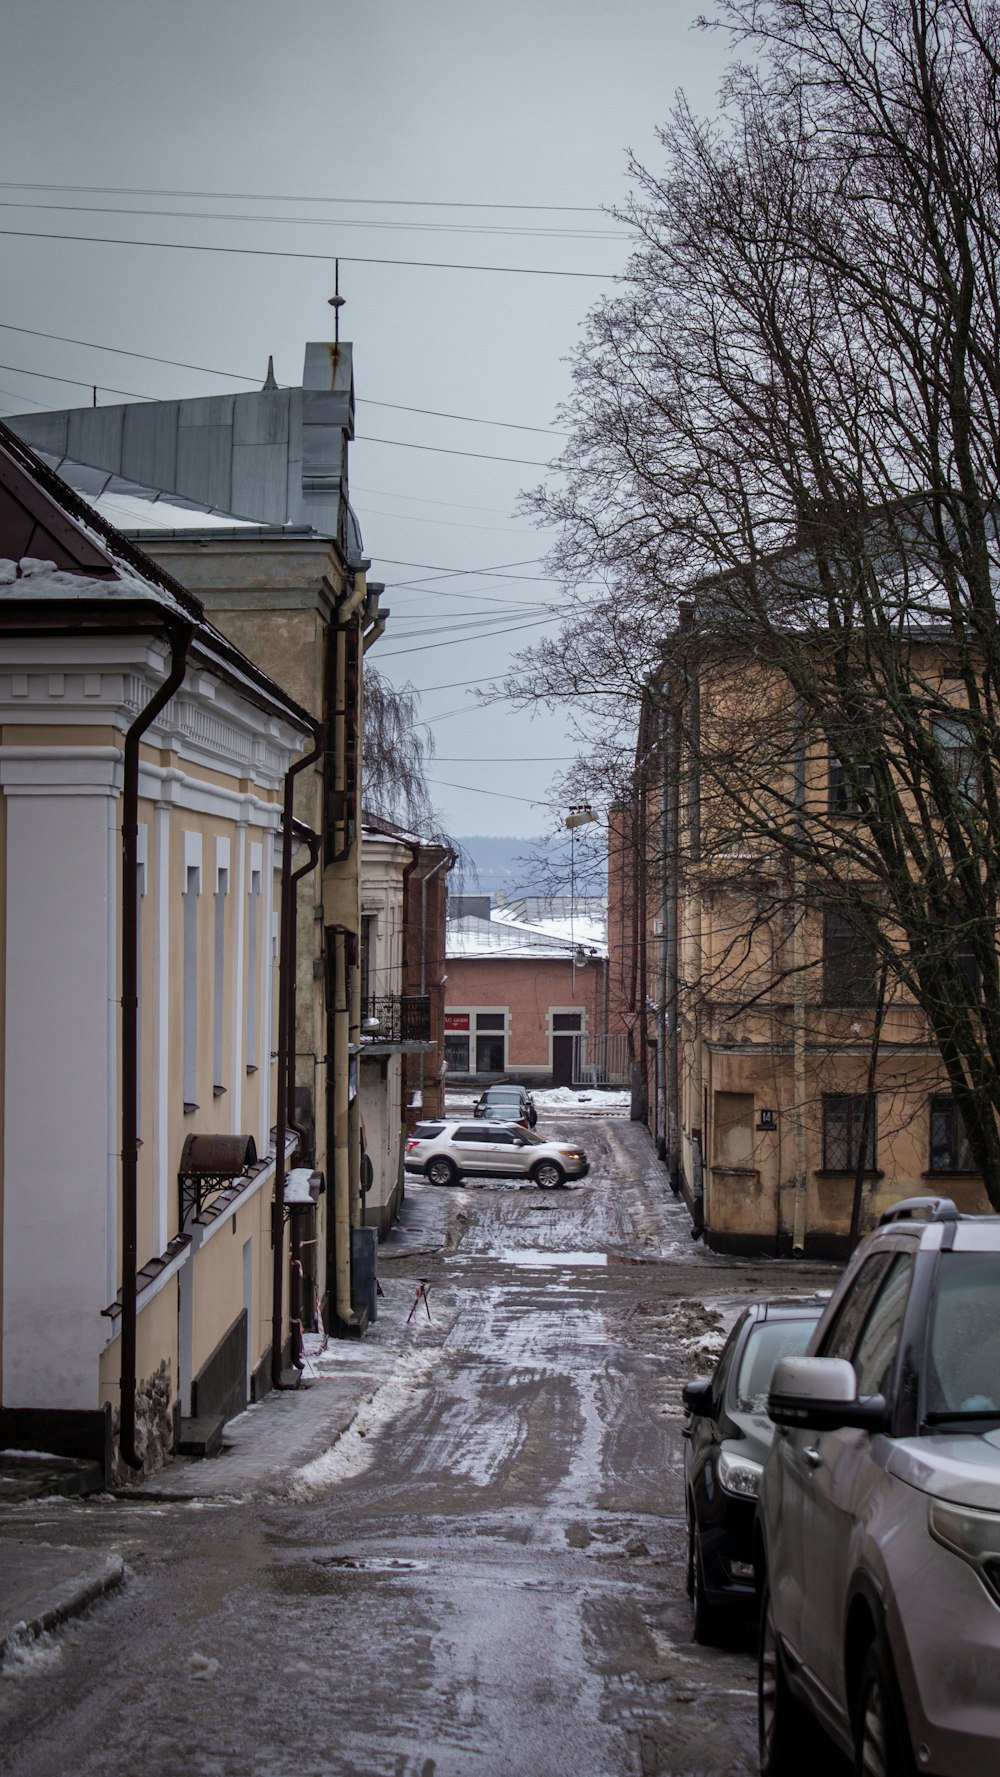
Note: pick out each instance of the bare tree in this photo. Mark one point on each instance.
(396, 750)
(787, 422)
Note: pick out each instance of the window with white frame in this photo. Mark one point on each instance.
(476, 1042)
(219, 963)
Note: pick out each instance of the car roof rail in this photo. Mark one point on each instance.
(928, 1209)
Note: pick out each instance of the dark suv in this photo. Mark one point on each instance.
(878, 1543)
(506, 1096)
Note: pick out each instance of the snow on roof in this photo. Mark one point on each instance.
(471, 937)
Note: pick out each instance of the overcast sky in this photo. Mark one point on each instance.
(376, 130)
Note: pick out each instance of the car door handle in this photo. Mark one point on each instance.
(812, 1456)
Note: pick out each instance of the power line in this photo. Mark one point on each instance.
(102, 240)
(466, 228)
(75, 382)
(443, 450)
(477, 790)
(284, 197)
(514, 629)
(240, 377)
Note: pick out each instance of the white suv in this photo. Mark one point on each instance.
(878, 1531)
(446, 1152)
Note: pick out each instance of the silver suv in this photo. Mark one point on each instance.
(446, 1152)
(878, 1530)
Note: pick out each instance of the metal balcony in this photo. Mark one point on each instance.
(392, 1020)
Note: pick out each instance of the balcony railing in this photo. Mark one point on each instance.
(396, 1018)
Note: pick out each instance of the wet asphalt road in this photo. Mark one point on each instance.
(488, 1577)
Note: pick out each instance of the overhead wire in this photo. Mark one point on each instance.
(278, 197)
(101, 240)
(242, 377)
(468, 228)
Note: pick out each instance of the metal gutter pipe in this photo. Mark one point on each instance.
(286, 1005)
(179, 638)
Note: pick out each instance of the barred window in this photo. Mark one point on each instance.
(950, 1150)
(845, 796)
(843, 1120)
(848, 959)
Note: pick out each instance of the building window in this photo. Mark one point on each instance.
(475, 1042)
(369, 927)
(843, 1120)
(191, 890)
(847, 796)
(219, 1001)
(253, 967)
(953, 735)
(950, 1150)
(848, 959)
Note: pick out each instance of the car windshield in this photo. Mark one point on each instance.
(769, 1341)
(962, 1369)
(497, 1092)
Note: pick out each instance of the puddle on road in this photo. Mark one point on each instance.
(373, 1563)
(536, 1259)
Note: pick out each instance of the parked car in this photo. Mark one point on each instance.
(728, 1437)
(879, 1512)
(506, 1095)
(505, 1112)
(447, 1152)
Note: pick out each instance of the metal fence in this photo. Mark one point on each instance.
(600, 1059)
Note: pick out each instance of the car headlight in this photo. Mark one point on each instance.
(571, 1154)
(739, 1475)
(973, 1535)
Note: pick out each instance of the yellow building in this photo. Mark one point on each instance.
(143, 768)
(789, 1084)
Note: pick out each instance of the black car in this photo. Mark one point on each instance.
(728, 1437)
(507, 1096)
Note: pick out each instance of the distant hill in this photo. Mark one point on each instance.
(522, 866)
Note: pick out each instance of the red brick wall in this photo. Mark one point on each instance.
(528, 989)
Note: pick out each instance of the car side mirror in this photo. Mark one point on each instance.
(697, 1397)
(518, 1141)
(821, 1394)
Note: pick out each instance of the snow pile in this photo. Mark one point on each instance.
(29, 1656)
(596, 1098)
(353, 1452)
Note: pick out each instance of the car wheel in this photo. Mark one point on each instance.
(785, 1729)
(441, 1172)
(881, 1745)
(547, 1175)
(707, 1617)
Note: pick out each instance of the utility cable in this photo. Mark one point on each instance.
(284, 197)
(101, 240)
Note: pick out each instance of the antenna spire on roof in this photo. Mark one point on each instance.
(269, 382)
(336, 302)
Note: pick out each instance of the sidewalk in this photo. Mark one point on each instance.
(264, 1448)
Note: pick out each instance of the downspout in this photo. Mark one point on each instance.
(180, 641)
(449, 858)
(799, 996)
(315, 845)
(286, 1000)
(662, 990)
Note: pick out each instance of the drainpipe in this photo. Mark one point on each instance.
(180, 641)
(799, 997)
(663, 1146)
(449, 858)
(315, 845)
(286, 1005)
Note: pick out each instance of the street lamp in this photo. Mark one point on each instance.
(580, 814)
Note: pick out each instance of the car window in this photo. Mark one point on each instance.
(842, 1336)
(720, 1374)
(876, 1349)
(769, 1341)
(502, 1138)
(963, 1347)
(472, 1132)
(424, 1131)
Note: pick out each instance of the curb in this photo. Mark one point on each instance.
(65, 1609)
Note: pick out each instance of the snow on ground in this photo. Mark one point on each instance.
(352, 1453)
